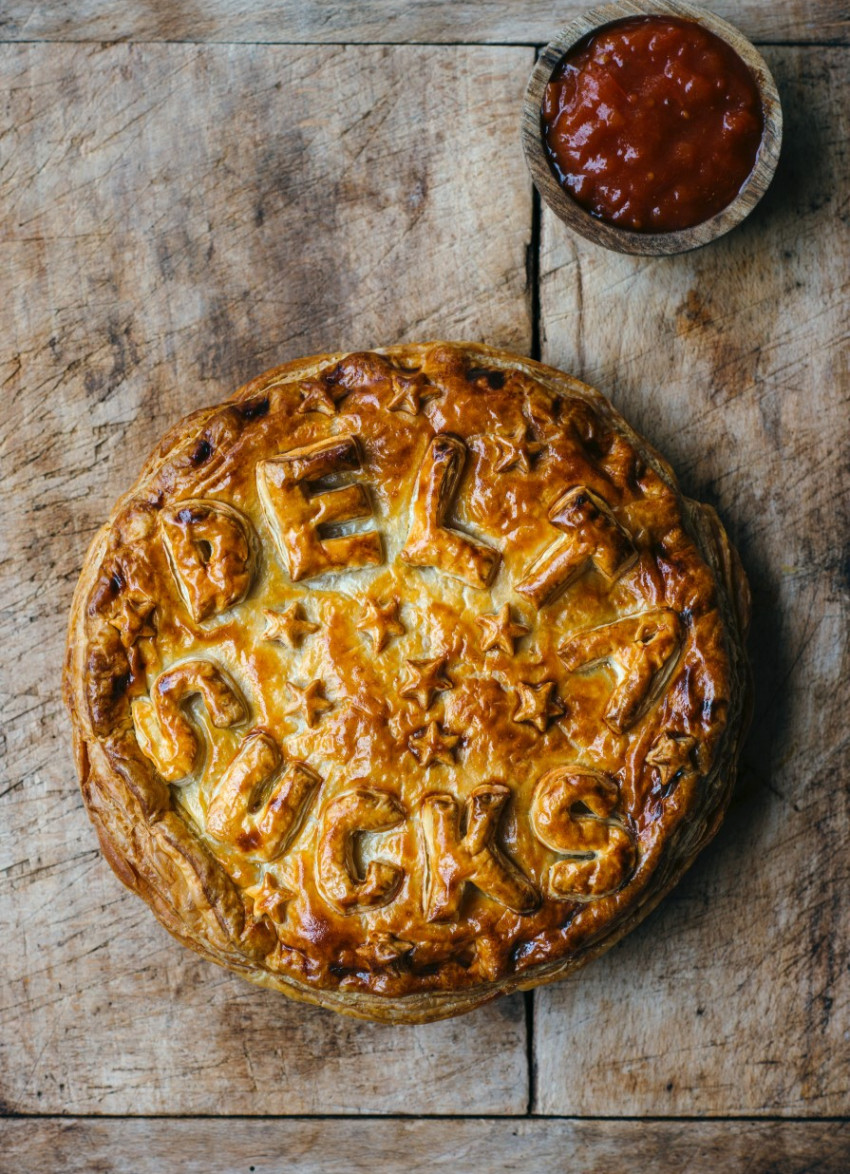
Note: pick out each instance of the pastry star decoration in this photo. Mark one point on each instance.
(424, 679)
(431, 744)
(381, 622)
(537, 704)
(320, 397)
(515, 449)
(288, 627)
(308, 701)
(269, 897)
(671, 754)
(408, 392)
(500, 631)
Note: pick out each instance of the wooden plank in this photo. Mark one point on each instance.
(422, 21)
(734, 997)
(174, 220)
(398, 1146)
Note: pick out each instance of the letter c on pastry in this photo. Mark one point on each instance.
(362, 809)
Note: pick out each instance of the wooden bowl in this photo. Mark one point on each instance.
(624, 240)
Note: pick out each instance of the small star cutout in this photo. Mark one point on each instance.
(537, 703)
(309, 701)
(269, 897)
(288, 627)
(430, 744)
(318, 397)
(516, 449)
(408, 391)
(424, 679)
(500, 631)
(670, 754)
(381, 622)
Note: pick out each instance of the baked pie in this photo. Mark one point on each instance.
(406, 679)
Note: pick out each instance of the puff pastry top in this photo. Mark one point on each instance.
(406, 678)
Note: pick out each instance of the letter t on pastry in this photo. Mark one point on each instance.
(295, 515)
(593, 535)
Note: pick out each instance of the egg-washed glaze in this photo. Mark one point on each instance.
(405, 679)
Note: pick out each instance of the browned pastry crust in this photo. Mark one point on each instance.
(406, 679)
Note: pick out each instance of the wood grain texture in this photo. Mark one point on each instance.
(396, 1147)
(174, 220)
(363, 21)
(733, 998)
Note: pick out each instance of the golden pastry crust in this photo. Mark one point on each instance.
(406, 679)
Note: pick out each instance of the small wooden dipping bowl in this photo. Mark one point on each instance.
(609, 235)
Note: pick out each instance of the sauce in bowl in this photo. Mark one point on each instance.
(652, 123)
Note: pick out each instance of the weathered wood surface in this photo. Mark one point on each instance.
(363, 21)
(172, 220)
(733, 998)
(403, 1147)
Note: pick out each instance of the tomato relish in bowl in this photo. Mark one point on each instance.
(652, 123)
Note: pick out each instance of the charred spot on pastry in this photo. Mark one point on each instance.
(495, 380)
(253, 409)
(396, 709)
(202, 452)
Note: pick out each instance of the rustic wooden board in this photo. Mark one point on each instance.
(733, 998)
(173, 219)
(398, 1146)
(363, 21)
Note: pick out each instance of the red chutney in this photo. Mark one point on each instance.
(652, 123)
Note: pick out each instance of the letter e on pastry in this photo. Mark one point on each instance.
(297, 516)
